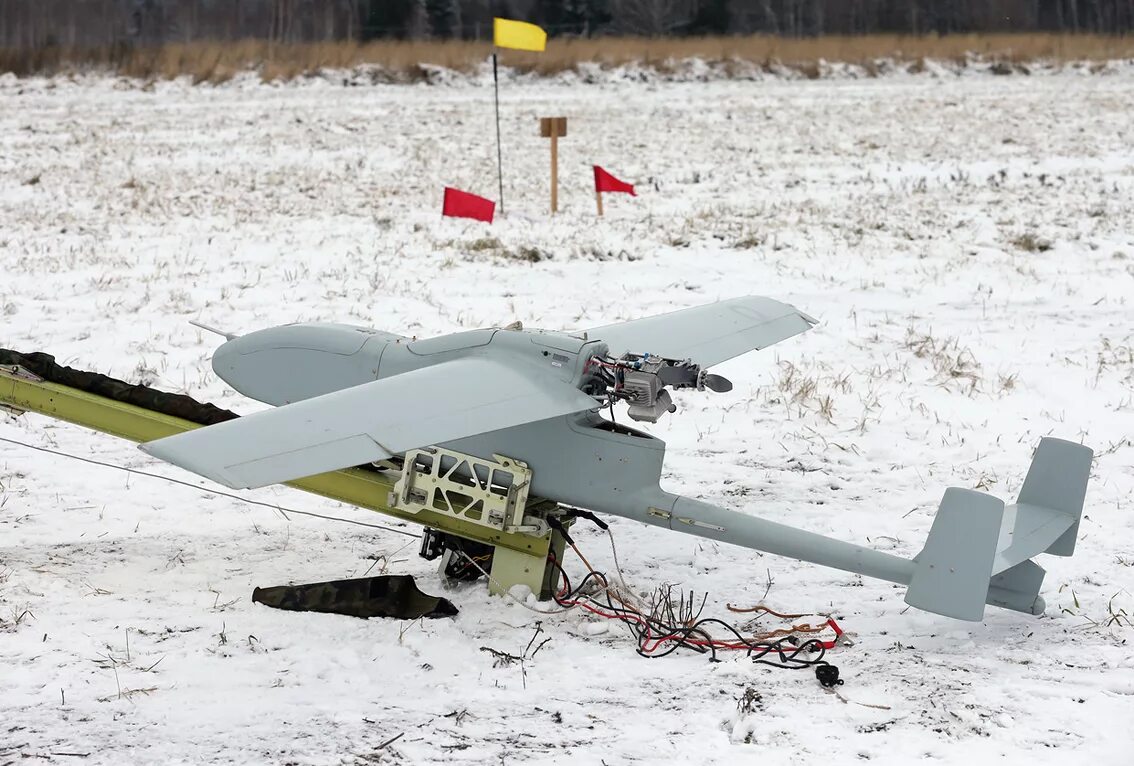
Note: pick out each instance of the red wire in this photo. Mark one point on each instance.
(648, 649)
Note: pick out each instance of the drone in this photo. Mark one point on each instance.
(449, 409)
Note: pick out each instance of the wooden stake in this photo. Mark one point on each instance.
(554, 173)
(598, 201)
(554, 128)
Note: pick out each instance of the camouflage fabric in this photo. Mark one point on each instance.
(394, 596)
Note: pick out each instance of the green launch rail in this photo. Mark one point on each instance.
(518, 558)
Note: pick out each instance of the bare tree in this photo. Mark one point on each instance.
(43, 24)
(653, 18)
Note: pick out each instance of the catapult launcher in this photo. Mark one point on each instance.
(496, 436)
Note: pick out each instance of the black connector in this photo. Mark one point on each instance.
(828, 675)
(561, 528)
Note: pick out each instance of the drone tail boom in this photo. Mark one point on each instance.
(978, 551)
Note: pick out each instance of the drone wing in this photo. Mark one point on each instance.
(707, 334)
(373, 421)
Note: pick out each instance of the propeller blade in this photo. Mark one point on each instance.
(718, 383)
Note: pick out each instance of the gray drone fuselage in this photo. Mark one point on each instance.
(577, 459)
(345, 396)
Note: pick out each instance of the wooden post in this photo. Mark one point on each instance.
(554, 173)
(598, 201)
(554, 128)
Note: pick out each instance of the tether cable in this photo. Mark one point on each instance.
(198, 488)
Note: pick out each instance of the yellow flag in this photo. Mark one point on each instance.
(518, 34)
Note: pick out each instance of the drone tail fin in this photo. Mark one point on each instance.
(979, 550)
(952, 572)
(1057, 484)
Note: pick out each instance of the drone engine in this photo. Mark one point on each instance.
(641, 380)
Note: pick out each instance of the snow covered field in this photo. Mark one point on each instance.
(967, 242)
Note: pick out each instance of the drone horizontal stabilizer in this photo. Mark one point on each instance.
(430, 405)
(709, 334)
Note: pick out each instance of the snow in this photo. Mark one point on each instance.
(967, 242)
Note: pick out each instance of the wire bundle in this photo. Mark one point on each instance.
(661, 632)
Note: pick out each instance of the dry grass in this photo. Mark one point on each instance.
(218, 61)
(1032, 243)
(803, 391)
(951, 361)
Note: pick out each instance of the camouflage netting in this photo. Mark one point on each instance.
(176, 405)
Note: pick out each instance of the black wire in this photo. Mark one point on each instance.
(773, 653)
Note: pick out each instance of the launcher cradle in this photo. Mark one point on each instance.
(519, 556)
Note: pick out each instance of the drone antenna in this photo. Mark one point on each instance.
(226, 335)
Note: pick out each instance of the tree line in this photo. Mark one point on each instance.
(81, 23)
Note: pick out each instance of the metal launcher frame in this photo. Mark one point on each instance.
(474, 499)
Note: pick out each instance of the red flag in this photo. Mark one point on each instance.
(605, 182)
(459, 204)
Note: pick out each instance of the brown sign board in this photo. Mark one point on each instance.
(552, 127)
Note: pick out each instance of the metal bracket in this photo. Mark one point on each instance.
(473, 489)
(19, 373)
